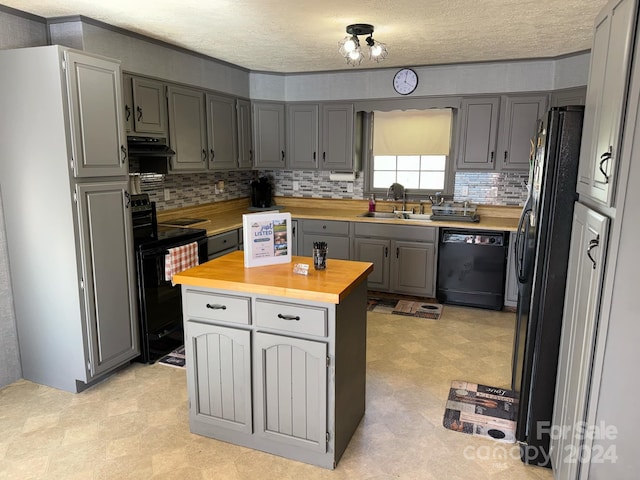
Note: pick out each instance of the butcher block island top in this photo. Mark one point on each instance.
(331, 285)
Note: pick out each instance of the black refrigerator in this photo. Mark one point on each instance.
(542, 252)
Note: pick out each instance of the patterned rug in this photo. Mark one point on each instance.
(174, 359)
(480, 410)
(410, 306)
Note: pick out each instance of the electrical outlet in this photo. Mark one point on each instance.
(493, 192)
(349, 187)
(464, 190)
(296, 185)
(167, 194)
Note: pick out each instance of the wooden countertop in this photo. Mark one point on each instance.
(225, 216)
(228, 273)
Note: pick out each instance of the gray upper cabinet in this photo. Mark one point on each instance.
(149, 106)
(245, 146)
(108, 269)
(187, 129)
(303, 136)
(519, 116)
(606, 95)
(222, 137)
(338, 147)
(95, 105)
(269, 135)
(478, 133)
(569, 96)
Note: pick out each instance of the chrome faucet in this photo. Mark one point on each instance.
(397, 191)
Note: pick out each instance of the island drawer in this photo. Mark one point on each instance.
(291, 317)
(223, 308)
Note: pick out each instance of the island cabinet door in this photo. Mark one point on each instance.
(291, 391)
(219, 377)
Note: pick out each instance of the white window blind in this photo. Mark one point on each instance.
(412, 132)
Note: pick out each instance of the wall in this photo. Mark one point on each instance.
(16, 30)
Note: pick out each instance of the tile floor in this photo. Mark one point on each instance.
(134, 425)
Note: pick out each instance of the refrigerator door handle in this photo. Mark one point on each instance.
(523, 228)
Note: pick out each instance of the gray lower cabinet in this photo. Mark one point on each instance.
(281, 375)
(75, 299)
(404, 257)
(577, 341)
(223, 243)
(334, 233)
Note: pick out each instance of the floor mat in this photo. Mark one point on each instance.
(481, 410)
(174, 359)
(411, 307)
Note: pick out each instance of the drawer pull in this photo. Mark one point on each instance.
(216, 306)
(289, 317)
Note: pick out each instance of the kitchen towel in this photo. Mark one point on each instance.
(179, 259)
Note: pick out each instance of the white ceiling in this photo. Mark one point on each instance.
(302, 35)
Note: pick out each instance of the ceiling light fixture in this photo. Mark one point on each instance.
(350, 45)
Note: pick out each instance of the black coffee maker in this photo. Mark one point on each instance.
(261, 193)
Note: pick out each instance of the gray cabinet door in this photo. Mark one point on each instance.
(219, 376)
(268, 133)
(577, 342)
(606, 96)
(245, 148)
(302, 136)
(149, 106)
(222, 132)
(413, 268)
(478, 133)
(376, 251)
(338, 147)
(187, 132)
(291, 391)
(108, 271)
(519, 118)
(96, 109)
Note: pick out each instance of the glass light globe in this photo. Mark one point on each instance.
(349, 45)
(376, 50)
(354, 54)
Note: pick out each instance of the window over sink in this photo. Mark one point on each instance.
(410, 147)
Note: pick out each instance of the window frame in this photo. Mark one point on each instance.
(368, 121)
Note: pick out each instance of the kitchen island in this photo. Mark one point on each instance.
(276, 361)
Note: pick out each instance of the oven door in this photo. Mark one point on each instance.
(160, 302)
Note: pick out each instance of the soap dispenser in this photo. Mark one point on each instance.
(372, 204)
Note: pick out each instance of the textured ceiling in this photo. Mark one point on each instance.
(302, 35)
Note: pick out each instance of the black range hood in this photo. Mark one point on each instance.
(142, 147)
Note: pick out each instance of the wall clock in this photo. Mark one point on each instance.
(405, 81)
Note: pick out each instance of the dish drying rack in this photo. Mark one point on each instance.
(456, 211)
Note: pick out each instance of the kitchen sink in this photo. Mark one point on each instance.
(380, 215)
(417, 217)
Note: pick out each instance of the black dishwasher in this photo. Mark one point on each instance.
(471, 267)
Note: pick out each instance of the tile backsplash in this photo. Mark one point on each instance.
(185, 190)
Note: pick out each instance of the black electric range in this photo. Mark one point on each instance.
(159, 301)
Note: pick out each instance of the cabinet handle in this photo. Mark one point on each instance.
(397, 252)
(289, 317)
(386, 252)
(128, 197)
(493, 154)
(213, 155)
(592, 244)
(216, 306)
(204, 154)
(251, 155)
(283, 155)
(505, 155)
(605, 157)
(127, 111)
(314, 155)
(124, 153)
(324, 156)
(139, 110)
